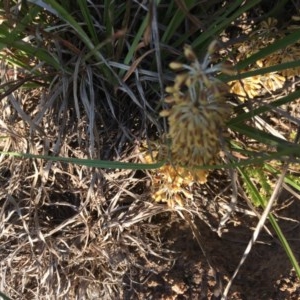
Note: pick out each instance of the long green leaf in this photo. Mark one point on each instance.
(241, 117)
(84, 9)
(221, 23)
(60, 11)
(4, 296)
(255, 193)
(288, 178)
(39, 53)
(258, 159)
(176, 22)
(261, 136)
(277, 45)
(285, 244)
(262, 71)
(96, 163)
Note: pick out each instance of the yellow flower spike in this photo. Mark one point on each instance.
(260, 63)
(164, 113)
(171, 89)
(296, 18)
(176, 65)
(169, 99)
(189, 53)
(189, 81)
(180, 80)
(207, 81)
(212, 47)
(200, 175)
(255, 79)
(178, 200)
(273, 81)
(247, 87)
(157, 197)
(197, 111)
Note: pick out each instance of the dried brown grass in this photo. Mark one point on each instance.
(72, 232)
(67, 231)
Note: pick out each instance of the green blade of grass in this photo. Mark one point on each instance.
(96, 163)
(175, 22)
(129, 56)
(260, 136)
(4, 296)
(19, 29)
(39, 53)
(255, 193)
(109, 8)
(88, 20)
(285, 244)
(64, 15)
(222, 22)
(293, 182)
(58, 10)
(140, 166)
(289, 180)
(259, 158)
(262, 71)
(248, 115)
(277, 45)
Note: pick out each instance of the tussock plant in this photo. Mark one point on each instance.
(126, 127)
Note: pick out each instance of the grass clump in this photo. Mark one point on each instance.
(82, 87)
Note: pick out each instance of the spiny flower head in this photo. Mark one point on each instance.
(247, 87)
(169, 183)
(198, 76)
(266, 33)
(197, 114)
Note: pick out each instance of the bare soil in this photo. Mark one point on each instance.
(266, 274)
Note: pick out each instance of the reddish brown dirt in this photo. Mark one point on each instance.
(266, 274)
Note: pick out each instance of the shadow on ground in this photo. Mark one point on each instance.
(266, 274)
